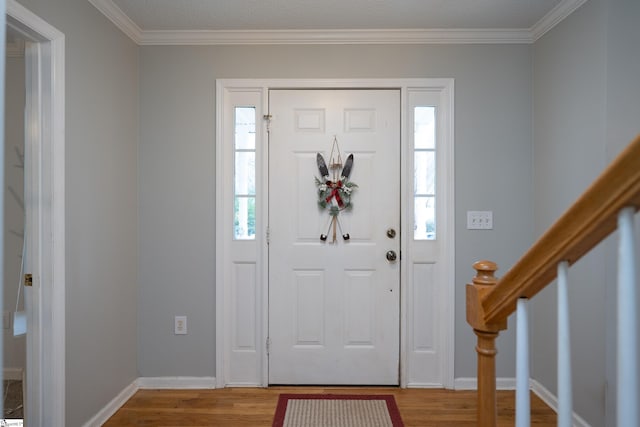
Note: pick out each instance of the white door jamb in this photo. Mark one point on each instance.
(44, 144)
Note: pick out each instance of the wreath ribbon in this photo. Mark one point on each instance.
(335, 193)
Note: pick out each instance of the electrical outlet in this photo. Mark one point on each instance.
(479, 220)
(180, 325)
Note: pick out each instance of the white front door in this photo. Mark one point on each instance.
(334, 306)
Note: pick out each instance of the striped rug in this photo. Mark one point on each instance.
(336, 410)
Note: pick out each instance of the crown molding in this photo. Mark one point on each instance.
(554, 17)
(109, 9)
(293, 37)
(336, 37)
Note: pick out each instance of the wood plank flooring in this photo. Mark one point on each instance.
(255, 407)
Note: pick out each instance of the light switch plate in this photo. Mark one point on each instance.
(479, 220)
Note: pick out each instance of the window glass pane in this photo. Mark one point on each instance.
(424, 129)
(424, 176)
(424, 227)
(244, 213)
(245, 128)
(245, 173)
(244, 221)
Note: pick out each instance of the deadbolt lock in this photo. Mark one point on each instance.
(391, 233)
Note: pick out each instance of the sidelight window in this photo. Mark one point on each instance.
(244, 212)
(424, 177)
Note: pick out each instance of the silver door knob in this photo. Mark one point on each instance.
(391, 256)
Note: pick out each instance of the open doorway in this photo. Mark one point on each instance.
(44, 215)
(13, 315)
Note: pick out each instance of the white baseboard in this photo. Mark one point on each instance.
(425, 385)
(472, 383)
(550, 399)
(510, 384)
(176, 382)
(101, 417)
(148, 383)
(14, 374)
(243, 384)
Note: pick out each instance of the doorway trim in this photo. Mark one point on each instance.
(241, 334)
(45, 175)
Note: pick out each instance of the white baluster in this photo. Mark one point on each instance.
(523, 408)
(627, 391)
(565, 404)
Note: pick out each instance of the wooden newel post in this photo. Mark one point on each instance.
(486, 347)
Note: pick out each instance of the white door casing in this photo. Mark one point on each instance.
(427, 267)
(334, 305)
(45, 221)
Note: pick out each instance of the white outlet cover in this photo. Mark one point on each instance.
(180, 325)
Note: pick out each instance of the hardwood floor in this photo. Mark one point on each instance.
(254, 407)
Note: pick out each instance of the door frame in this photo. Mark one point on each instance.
(242, 333)
(44, 201)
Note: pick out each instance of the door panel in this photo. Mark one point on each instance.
(334, 306)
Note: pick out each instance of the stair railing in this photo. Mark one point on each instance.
(610, 203)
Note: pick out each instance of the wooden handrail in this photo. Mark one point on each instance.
(585, 224)
(589, 221)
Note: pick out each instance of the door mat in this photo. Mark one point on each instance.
(336, 410)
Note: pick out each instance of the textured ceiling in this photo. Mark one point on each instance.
(333, 14)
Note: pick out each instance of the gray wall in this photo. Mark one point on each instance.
(580, 76)
(101, 205)
(576, 90)
(569, 123)
(14, 348)
(623, 74)
(177, 171)
(586, 108)
(623, 124)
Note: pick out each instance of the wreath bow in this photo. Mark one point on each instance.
(335, 193)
